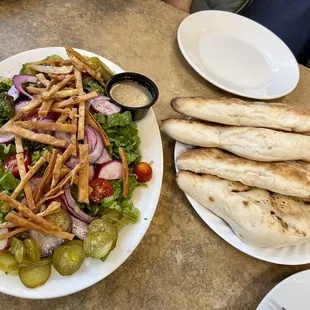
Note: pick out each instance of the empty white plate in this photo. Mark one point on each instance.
(290, 294)
(238, 55)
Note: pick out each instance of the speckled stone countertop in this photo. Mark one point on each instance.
(180, 263)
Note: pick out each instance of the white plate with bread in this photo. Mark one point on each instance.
(245, 168)
(238, 55)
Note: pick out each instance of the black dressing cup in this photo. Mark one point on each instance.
(136, 112)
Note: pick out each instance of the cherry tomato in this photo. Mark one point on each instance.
(30, 116)
(11, 163)
(101, 189)
(143, 171)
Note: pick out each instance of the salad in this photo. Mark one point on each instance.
(69, 164)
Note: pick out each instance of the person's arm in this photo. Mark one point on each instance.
(183, 5)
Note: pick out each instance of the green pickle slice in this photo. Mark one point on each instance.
(8, 263)
(33, 253)
(60, 219)
(35, 274)
(98, 244)
(68, 258)
(18, 249)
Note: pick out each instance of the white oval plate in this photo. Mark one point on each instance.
(145, 199)
(238, 55)
(289, 255)
(290, 294)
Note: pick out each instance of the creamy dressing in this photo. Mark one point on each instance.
(131, 94)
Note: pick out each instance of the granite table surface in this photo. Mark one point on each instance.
(180, 263)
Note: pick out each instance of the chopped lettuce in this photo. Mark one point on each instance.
(5, 84)
(6, 150)
(6, 108)
(7, 184)
(90, 85)
(122, 132)
(128, 213)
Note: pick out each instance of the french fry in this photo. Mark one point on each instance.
(57, 169)
(83, 174)
(14, 218)
(34, 90)
(38, 137)
(43, 79)
(28, 176)
(81, 62)
(63, 181)
(45, 107)
(71, 128)
(62, 118)
(53, 82)
(53, 196)
(52, 69)
(10, 121)
(55, 88)
(67, 153)
(12, 233)
(56, 77)
(28, 213)
(125, 172)
(22, 173)
(78, 81)
(53, 207)
(90, 120)
(79, 87)
(66, 93)
(19, 145)
(75, 100)
(47, 176)
(73, 135)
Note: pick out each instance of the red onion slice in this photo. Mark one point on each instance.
(73, 207)
(19, 80)
(79, 228)
(4, 244)
(63, 136)
(47, 244)
(71, 162)
(14, 92)
(91, 172)
(105, 157)
(6, 138)
(103, 105)
(95, 143)
(21, 104)
(112, 170)
(35, 182)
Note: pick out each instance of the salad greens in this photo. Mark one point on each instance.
(6, 150)
(7, 110)
(7, 184)
(122, 132)
(122, 206)
(5, 84)
(90, 85)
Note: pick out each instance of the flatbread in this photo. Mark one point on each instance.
(258, 217)
(259, 144)
(286, 178)
(232, 111)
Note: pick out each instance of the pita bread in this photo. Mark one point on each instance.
(258, 217)
(259, 144)
(286, 178)
(232, 111)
